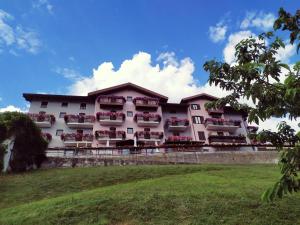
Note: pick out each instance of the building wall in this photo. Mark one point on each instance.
(129, 121)
(55, 108)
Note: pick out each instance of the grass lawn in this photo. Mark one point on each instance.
(184, 194)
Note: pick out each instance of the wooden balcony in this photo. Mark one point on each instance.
(79, 122)
(112, 136)
(176, 124)
(77, 140)
(230, 139)
(107, 101)
(222, 125)
(146, 103)
(147, 120)
(111, 118)
(149, 137)
(42, 120)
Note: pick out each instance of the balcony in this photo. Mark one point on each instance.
(149, 136)
(110, 118)
(147, 120)
(215, 111)
(175, 124)
(79, 121)
(107, 101)
(223, 139)
(112, 136)
(179, 139)
(145, 102)
(42, 120)
(77, 139)
(222, 125)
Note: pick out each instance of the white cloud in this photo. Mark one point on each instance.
(217, 33)
(16, 37)
(233, 40)
(11, 108)
(261, 20)
(68, 73)
(38, 4)
(271, 124)
(284, 54)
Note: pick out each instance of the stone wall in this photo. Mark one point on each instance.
(262, 157)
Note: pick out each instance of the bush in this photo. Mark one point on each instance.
(29, 147)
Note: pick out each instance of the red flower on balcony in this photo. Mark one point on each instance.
(147, 116)
(41, 117)
(177, 121)
(110, 114)
(77, 137)
(146, 100)
(149, 134)
(79, 118)
(111, 97)
(179, 138)
(109, 133)
(47, 136)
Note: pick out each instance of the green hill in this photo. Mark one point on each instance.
(199, 194)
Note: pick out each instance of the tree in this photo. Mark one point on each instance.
(29, 146)
(257, 75)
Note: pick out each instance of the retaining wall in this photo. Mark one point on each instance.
(262, 157)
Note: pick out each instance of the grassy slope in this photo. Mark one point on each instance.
(192, 195)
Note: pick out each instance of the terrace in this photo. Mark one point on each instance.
(77, 139)
(79, 121)
(42, 120)
(110, 118)
(175, 124)
(147, 120)
(221, 124)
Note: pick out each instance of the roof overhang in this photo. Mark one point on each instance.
(199, 96)
(49, 97)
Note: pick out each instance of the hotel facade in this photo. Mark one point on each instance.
(130, 115)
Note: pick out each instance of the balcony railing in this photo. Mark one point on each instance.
(227, 139)
(222, 125)
(77, 139)
(149, 136)
(111, 100)
(79, 121)
(110, 118)
(175, 124)
(215, 111)
(42, 120)
(179, 138)
(147, 120)
(145, 102)
(108, 135)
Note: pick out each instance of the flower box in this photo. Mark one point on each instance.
(179, 138)
(42, 117)
(111, 99)
(110, 115)
(47, 136)
(77, 137)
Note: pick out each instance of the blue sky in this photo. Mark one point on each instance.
(52, 46)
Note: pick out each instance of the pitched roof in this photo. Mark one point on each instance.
(199, 96)
(128, 86)
(31, 96)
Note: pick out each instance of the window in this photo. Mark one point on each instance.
(82, 105)
(198, 119)
(42, 112)
(64, 104)
(81, 114)
(220, 133)
(62, 114)
(217, 116)
(129, 130)
(79, 131)
(176, 134)
(201, 135)
(172, 111)
(129, 98)
(59, 132)
(44, 104)
(195, 106)
(112, 129)
(129, 114)
(147, 129)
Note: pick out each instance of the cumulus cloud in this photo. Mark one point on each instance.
(16, 37)
(68, 73)
(11, 108)
(39, 4)
(284, 54)
(260, 20)
(233, 40)
(217, 33)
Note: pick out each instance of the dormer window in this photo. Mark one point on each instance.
(195, 106)
(44, 104)
(82, 105)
